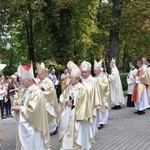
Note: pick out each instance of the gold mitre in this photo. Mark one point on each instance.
(26, 72)
(70, 65)
(75, 71)
(40, 68)
(85, 66)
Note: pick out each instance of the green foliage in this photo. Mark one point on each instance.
(123, 77)
(75, 30)
(135, 30)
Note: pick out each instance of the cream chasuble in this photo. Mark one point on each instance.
(95, 96)
(116, 91)
(64, 83)
(75, 127)
(49, 92)
(33, 123)
(17, 100)
(140, 92)
(104, 84)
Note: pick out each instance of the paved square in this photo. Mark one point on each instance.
(125, 131)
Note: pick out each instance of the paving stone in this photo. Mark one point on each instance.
(125, 131)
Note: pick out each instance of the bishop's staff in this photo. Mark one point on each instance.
(104, 65)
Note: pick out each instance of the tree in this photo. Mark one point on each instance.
(114, 30)
(56, 31)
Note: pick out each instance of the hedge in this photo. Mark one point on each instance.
(123, 77)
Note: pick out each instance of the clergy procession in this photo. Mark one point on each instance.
(80, 112)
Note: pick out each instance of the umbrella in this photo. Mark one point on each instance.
(2, 66)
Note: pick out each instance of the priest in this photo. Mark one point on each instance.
(140, 96)
(148, 70)
(116, 92)
(63, 78)
(75, 127)
(49, 91)
(66, 81)
(33, 123)
(131, 83)
(95, 93)
(103, 82)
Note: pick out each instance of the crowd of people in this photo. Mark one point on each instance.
(8, 87)
(139, 86)
(82, 109)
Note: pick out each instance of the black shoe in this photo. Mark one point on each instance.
(55, 132)
(141, 113)
(136, 112)
(100, 126)
(130, 106)
(116, 107)
(4, 117)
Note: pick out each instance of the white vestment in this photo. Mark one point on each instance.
(30, 138)
(50, 109)
(131, 80)
(143, 103)
(116, 91)
(68, 125)
(102, 116)
(87, 84)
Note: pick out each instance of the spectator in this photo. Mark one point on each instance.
(11, 89)
(52, 76)
(2, 95)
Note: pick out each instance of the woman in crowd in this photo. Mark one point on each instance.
(2, 95)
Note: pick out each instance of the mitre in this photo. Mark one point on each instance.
(75, 71)
(85, 66)
(113, 61)
(70, 65)
(26, 72)
(40, 68)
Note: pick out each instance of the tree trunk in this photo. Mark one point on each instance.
(114, 31)
(64, 24)
(30, 36)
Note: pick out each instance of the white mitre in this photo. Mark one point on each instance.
(40, 68)
(75, 72)
(70, 65)
(86, 66)
(113, 61)
(98, 65)
(26, 72)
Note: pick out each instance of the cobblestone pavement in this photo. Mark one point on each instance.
(125, 131)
